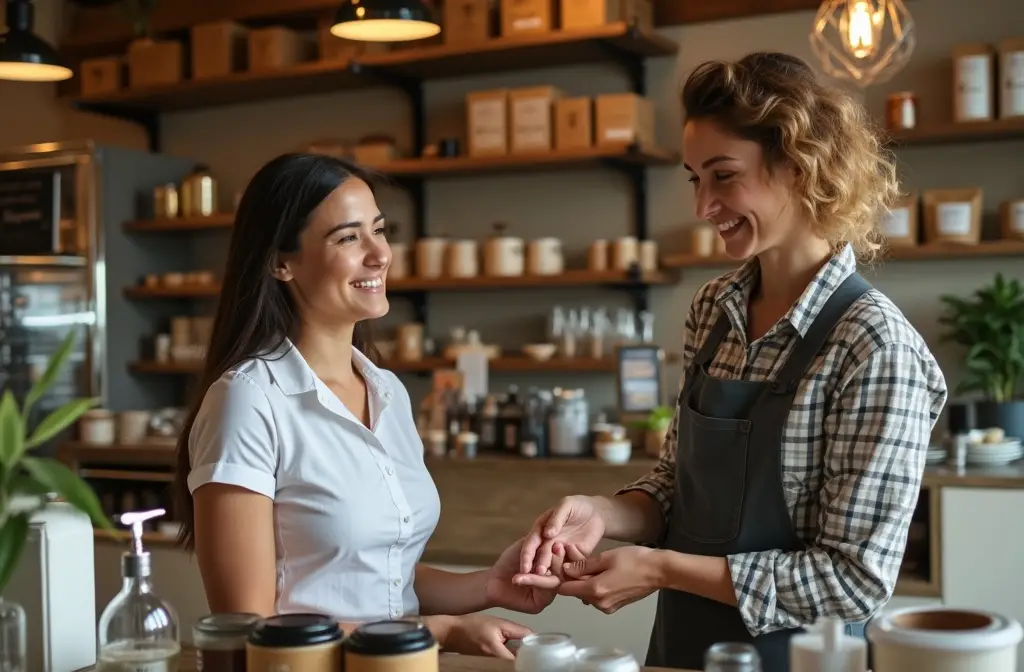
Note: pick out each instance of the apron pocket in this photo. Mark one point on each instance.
(711, 474)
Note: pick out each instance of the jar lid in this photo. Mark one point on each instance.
(226, 623)
(288, 630)
(388, 638)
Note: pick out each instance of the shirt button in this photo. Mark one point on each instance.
(405, 519)
(397, 582)
(390, 470)
(396, 612)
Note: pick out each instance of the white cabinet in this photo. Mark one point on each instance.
(983, 550)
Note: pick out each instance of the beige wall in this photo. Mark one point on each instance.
(583, 205)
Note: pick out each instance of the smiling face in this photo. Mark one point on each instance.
(753, 210)
(337, 276)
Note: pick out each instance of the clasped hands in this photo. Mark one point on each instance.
(556, 556)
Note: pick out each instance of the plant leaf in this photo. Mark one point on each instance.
(12, 434)
(13, 534)
(56, 477)
(58, 420)
(53, 367)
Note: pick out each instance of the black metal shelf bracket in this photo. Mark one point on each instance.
(148, 119)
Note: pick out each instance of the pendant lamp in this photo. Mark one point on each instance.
(384, 21)
(863, 41)
(24, 56)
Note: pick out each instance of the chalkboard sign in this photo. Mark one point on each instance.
(29, 212)
(638, 378)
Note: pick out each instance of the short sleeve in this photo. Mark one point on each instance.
(232, 439)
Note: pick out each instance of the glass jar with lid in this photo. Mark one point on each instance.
(220, 641)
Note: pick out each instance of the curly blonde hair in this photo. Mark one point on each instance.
(845, 177)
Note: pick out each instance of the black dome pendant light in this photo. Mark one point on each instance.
(24, 56)
(384, 21)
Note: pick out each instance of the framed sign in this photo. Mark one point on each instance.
(29, 212)
(638, 378)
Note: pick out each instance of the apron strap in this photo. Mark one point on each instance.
(711, 343)
(804, 352)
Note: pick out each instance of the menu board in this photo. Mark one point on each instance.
(639, 378)
(29, 212)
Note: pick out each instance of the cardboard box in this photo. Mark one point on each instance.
(101, 75)
(487, 123)
(578, 14)
(275, 48)
(624, 119)
(574, 123)
(468, 21)
(532, 119)
(527, 17)
(219, 48)
(155, 63)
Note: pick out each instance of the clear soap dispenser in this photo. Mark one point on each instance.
(138, 631)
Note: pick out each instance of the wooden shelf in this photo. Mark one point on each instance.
(127, 475)
(219, 221)
(535, 161)
(574, 278)
(926, 252)
(152, 454)
(434, 62)
(169, 368)
(183, 292)
(123, 537)
(952, 133)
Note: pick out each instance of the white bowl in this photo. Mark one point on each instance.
(614, 452)
(540, 351)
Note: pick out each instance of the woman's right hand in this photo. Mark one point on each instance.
(574, 521)
(479, 635)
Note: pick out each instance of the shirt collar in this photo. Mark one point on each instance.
(734, 296)
(293, 375)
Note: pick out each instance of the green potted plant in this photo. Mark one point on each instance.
(656, 426)
(29, 482)
(989, 325)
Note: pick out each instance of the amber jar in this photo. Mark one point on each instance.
(220, 641)
(901, 111)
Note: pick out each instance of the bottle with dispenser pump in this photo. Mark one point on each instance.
(138, 631)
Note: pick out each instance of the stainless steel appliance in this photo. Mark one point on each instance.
(65, 259)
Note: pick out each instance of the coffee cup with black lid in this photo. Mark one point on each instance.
(307, 642)
(391, 646)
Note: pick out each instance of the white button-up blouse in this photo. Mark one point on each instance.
(353, 507)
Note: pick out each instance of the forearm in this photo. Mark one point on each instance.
(701, 575)
(450, 593)
(633, 516)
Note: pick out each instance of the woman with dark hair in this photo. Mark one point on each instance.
(301, 480)
(788, 481)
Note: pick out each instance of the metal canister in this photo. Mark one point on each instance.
(199, 193)
(901, 111)
(732, 657)
(165, 201)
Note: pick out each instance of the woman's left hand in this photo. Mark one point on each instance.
(615, 578)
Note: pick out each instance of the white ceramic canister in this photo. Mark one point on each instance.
(544, 257)
(649, 255)
(430, 257)
(399, 268)
(943, 639)
(826, 647)
(625, 253)
(546, 652)
(97, 427)
(504, 256)
(605, 659)
(463, 259)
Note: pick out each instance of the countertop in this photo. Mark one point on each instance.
(449, 663)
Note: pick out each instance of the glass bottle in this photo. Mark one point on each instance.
(138, 631)
(12, 637)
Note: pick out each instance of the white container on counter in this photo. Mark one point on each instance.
(974, 83)
(97, 427)
(399, 268)
(1011, 77)
(943, 639)
(544, 257)
(504, 256)
(430, 254)
(463, 259)
(545, 652)
(604, 659)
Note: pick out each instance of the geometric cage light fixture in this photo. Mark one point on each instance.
(863, 41)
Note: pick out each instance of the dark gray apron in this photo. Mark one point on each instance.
(728, 492)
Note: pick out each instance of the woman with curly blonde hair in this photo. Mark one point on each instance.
(787, 483)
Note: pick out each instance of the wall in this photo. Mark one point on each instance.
(580, 206)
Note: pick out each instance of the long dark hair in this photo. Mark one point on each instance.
(255, 312)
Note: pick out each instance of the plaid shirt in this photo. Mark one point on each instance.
(853, 449)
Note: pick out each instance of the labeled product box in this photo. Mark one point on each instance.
(579, 14)
(532, 124)
(468, 21)
(624, 119)
(487, 123)
(155, 63)
(527, 17)
(574, 123)
(219, 48)
(276, 47)
(101, 75)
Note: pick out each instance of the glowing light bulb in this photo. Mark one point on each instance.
(860, 29)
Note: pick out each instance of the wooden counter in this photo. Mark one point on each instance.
(449, 663)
